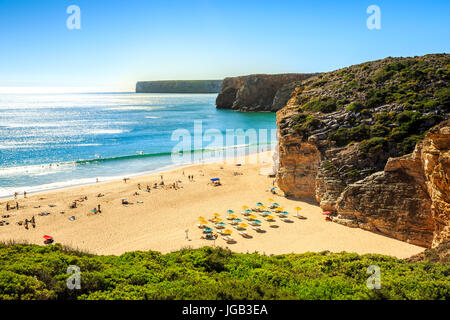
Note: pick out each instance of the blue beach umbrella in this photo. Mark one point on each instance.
(237, 220)
(284, 213)
(256, 221)
(230, 211)
(207, 230)
(275, 204)
(259, 204)
(221, 224)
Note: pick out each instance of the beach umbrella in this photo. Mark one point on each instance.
(216, 215)
(243, 225)
(201, 218)
(237, 220)
(270, 218)
(230, 211)
(271, 200)
(327, 213)
(217, 219)
(284, 213)
(266, 212)
(263, 207)
(275, 204)
(259, 204)
(221, 224)
(227, 231)
(279, 209)
(232, 216)
(248, 211)
(48, 237)
(256, 221)
(207, 230)
(253, 216)
(244, 207)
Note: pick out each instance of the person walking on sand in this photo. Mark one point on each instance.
(24, 194)
(187, 234)
(98, 210)
(139, 186)
(33, 222)
(15, 195)
(7, 207)
(17, 205)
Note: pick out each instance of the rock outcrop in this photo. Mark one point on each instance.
(258, 92)
(358, 143)
(439, 254)
(179, 86)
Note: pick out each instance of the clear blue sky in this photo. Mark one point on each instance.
(121, 42)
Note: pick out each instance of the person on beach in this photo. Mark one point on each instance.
(15, 195)
(187, 234)
(148, 189)
(7, 207)
(98, 210)
(26, 224)
(24, 194)
(33, 222)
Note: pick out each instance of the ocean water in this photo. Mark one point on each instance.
(54, 140)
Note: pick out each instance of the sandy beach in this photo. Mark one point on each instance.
(158, 220)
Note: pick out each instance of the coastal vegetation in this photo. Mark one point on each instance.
(387, 103)
(40, 272)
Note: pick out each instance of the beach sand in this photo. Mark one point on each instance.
(160, 222)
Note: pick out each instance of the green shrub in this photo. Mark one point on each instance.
(373, 145)
(324, 105)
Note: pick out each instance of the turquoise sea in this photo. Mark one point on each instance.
(54, 140)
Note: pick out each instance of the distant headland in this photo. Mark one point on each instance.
(179, 86)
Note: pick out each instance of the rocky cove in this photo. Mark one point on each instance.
(368, 142)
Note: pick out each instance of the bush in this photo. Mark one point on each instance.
(373, 145)
(324, 105)
(209, 273)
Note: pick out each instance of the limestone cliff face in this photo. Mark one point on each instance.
(349, 140)
(179, 86)
(409, 200)
(257, 92)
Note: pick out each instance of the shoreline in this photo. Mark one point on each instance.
(106, 179)
(158, 220)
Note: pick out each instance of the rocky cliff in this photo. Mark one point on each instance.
(258, 92)
(348, 140)
(179, 86)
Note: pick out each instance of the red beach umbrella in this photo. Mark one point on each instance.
(48, 237)
(327, 213)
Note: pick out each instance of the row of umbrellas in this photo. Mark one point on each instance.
(239, 222)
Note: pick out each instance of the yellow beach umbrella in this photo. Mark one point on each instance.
(233, 216)
(244, 207)
(271, 200)
(227, 231)
(216, 215)
(217, 219)
(270, 218)
(201, 218)
(243, 225)
(297, 209)
(253, 216)
(263, 207)
(279, 209)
